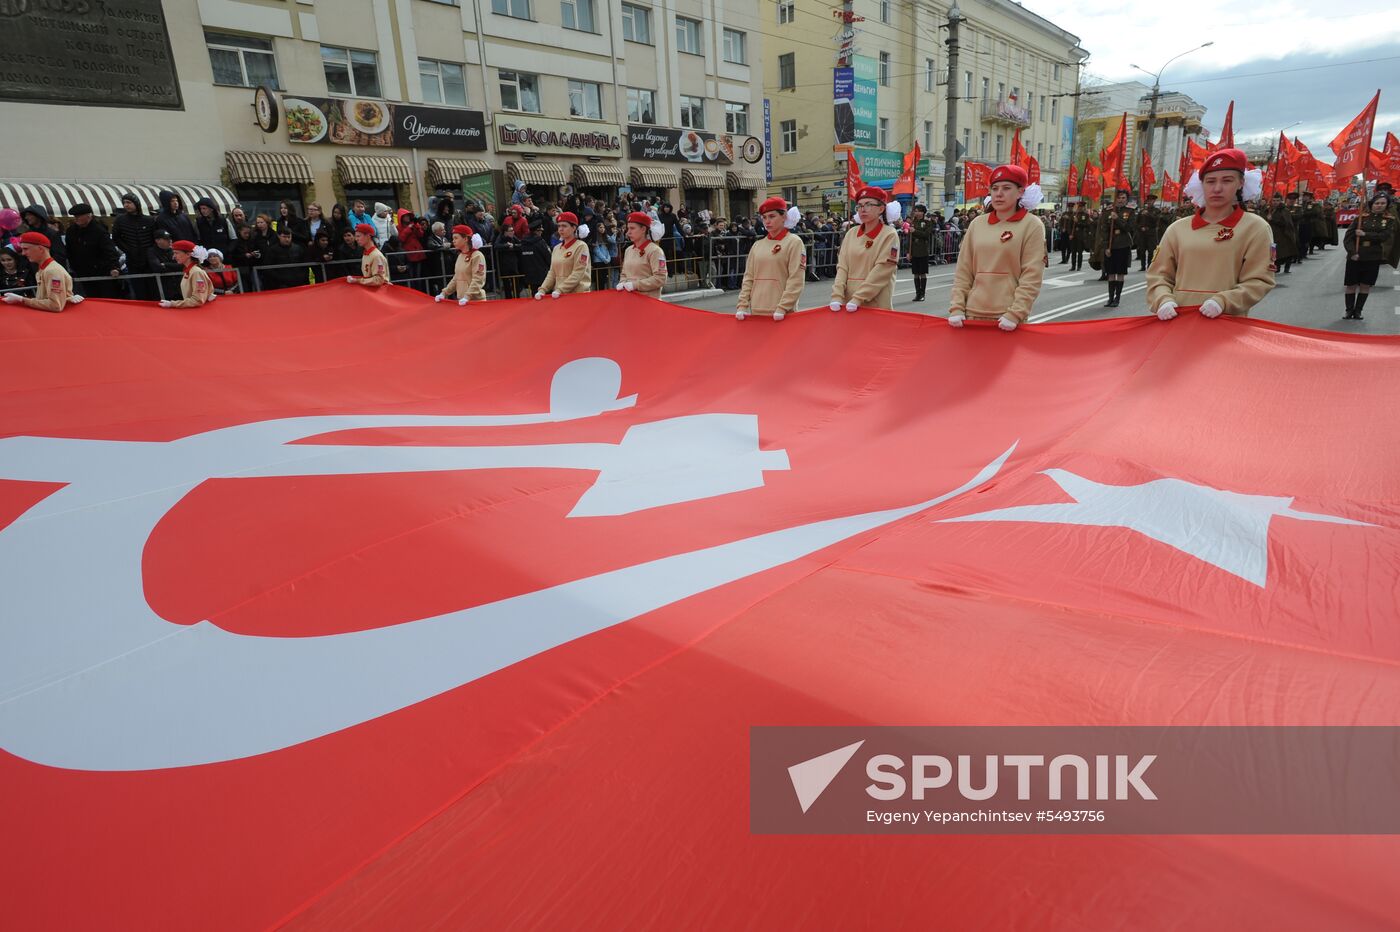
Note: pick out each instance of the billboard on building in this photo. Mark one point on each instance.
(865, 100)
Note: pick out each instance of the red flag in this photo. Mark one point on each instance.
(1304, 164)
(1111, 158)
(1092, 186)
(238, 565)
(1183, 166)
(853, 179)
(1148, 177)
(1227, 132)
(977, 180)
(1354, 141)
(1019, 156)
(1196, 156)
(1286, 161)
(1171, 191)
(1072, 182)
(1392, 158)
(1376, 165)
(1032, 170)
(908, 178)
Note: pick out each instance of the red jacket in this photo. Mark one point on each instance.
(411, 239)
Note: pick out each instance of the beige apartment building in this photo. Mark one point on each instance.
(384, 100)
(1015, 70)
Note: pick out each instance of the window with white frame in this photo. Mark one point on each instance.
(688, 35)
(884, 132)
(636, 23)
(1001, 141)
(986, 88)
(930, 79)
(585, 100)
(520, 91)
(736, 118)
(350, 71)
(982, 146)
(1039, 151)
(1030, 103)
(443, 82)
(1042, 108)
(578, 14)
(967, 141)
(790, 194)
(885, 11)
(787, 71)
(885, 69)
(967, 84)
(1055, 71)
(736, 47)
(641, 105)
(787, 11)
(1052, 157)
(1054, 111)
(787, 132)
(241, 61)
(928, 135)
(520, 9)
(692, 112)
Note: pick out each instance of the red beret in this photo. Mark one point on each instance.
(1223, 160)
(366, 228)
(637, 216)
(773, 203)
(1012, 173)
(35, 239)
(183, 245)
(874, 194)
(567, 216)
(462, 229)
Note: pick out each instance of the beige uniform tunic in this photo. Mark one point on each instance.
(468, 277)
(865, 267)
(568, 269)
(1227, 261)
(774, 276)
(195, 287)
(374, 268)
(1000, 267)
(645, 268)
(55, 288)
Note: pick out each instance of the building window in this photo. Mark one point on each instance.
(884, 132)
(787, 71)
(688, 35)
(585, 100)
(1001, 90)
(692, 112)
(1055, 71)
(967, 84)
(788, 132)
(241, 61)
(578, 14)
(928, 135)
(790, 194)
(982, 149)
(1042, 108)
(1054, 111)
(736, 47)
(885, 69)
(929, 78)
(736, 119)
(636, 23)
(443, 82)
(884, 11)
(1051, 163)
(520, 91)
(350, 72)
(967, 142)
(1000, 141)
(520, 9)
(1030, 103)
(986, 88)
(787, 11)
(1040, 152)
(641, 105)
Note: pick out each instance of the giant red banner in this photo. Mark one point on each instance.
(335, 608)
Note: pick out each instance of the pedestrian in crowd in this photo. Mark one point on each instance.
(237, 217)
(339, 223)
(383, 224)
(869, 257)
(245, 255)
(263, 234)
(1114, 244)
(921, 233)
(91, 254)
(222, 278)
(358, 215)
(172, 217)
(568, 263)
(53, 286)
(1368, 243)
(1329, 217)
(314, 221)
(1285, 235)
(604, 249)
(469, 272)
(1311, 213)
(443, 209)
(196, 289)
(534, 256)
(374, 268)
(1219, 258)
(723, 250)
(643, 261)
(160, 260)
(213, 229)
(1002, 259)
(347, 254)
(1081, 236)
(283, 260)
(287, 219)
(410, 233)
(37, 220)
(515, 217)
(321, 253)
(506, 251)
(131, 233)
(13, 276)
(776, 267)
(1146, 231)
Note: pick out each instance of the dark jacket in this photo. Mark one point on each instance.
(507, 254)
(215, 231)
(534, 259)
(163, 260)
(177, 222)
(90, 249)
(131, 233)
(45, 225)
(277, 254)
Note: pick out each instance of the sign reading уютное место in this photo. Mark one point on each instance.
(113, 53)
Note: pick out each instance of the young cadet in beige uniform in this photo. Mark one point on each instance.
(1217, 259)
(869, 255)
(55, 287)
(777, 265)
(469, 274)
(195, 287)
(643, 262)
(568, 264)
(374, 268)
(1002, 259)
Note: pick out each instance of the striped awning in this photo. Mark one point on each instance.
(447, 173)
(702, 178)
(598, 176)
(372, 169)
(655, 177)
(742, 181)
(261, 166)
(537, 172)
(105, 197)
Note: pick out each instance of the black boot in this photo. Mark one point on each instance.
(1351, 305)
(920, 283)
(1117, 292)
(1360, 303)
(1111, 286)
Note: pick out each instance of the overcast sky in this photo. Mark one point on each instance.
(1310, 43)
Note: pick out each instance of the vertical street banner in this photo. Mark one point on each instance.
(843, 92)
(767, 141)
(865, 99)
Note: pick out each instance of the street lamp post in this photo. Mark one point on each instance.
(1156, 92)
(1273, 139)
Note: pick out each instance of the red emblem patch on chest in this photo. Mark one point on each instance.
(1006, 236)
(869, 243)
(777, 249)
(1224, 233)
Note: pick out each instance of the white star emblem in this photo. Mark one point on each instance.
(1229, 530)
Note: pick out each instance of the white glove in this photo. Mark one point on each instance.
(740, 314)
(851, 306)
(77, 299)
(538, 295)
(166, 303)
(956, 320)
(620, 286)
(778, 315)
(1211, 309)
(437, 298)
(350, 279)
(554, 294)
(461, 302)
(629, 286)
(836, 305)
(1167, 311)
(12, 298)
(1007, 323)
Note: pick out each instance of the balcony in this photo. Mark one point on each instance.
(1005, 111)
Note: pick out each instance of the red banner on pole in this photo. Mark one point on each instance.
(1093, 182)
(977, 180)
(1072, 182)
(1171, 191)
(1353, 143)
(1148, 177)
(908, 178)
(1111, 158)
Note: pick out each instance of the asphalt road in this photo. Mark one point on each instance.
(1308, 296)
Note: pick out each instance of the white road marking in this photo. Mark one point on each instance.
(1079, 305)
